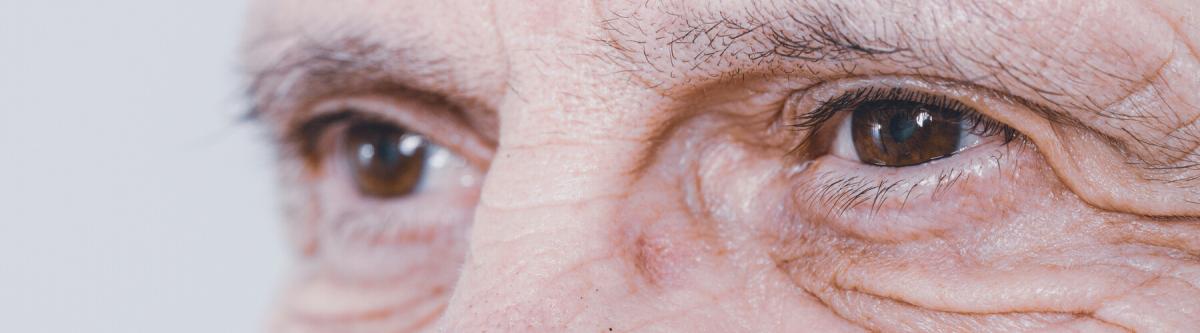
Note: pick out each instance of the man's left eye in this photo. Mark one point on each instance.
(904, 129)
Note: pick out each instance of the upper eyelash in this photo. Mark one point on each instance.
(305, 136)
(813, 121)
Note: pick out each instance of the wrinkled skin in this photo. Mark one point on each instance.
(638, 172)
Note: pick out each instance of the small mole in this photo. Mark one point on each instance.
(610, 329)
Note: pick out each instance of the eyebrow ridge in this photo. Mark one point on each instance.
(754, 36)
(315, 67)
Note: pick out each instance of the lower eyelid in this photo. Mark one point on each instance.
(897, 203)
(371, 238)
(374, 240)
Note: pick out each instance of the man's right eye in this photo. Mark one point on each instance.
(386, 161)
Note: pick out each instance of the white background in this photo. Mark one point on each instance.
(132, 199)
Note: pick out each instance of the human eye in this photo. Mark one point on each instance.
(386, 161)
(894, 127)
(901, 150)
(392, 182)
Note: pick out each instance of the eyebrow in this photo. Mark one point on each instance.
(314, 67)
(795, 34)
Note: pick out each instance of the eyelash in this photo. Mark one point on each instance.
(841, 193)
(307, 136)
(815, 121)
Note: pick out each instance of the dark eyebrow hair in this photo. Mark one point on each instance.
(754, 36)
(311, 67)
(305, 68)
(797, 33)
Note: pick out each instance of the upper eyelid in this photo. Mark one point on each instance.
(829, 108)
(810, 111)
(434, 121)
(830, 97)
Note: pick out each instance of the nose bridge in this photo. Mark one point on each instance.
(544, 242)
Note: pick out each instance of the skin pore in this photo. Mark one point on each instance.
(686, 165)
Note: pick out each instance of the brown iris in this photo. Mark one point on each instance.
(386, 161)
(899, 133)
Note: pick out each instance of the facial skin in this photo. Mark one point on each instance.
(657, 166)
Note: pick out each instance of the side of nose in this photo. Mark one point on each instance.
(555, 244)
(551, 237)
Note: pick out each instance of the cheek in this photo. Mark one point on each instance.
(368, 239)
(1011, 247)
(370, 264)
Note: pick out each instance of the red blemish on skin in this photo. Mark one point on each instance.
(644, 259)
(652, 258)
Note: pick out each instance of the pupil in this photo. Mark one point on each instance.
(389, 152)
(902, 127)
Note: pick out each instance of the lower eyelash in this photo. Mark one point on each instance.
(839, 193)
(845, 193)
